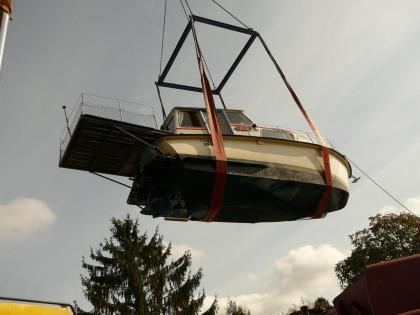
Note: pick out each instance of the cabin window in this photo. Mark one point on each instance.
(238, 118)
(221, 120)
(190, 119)
(170, 125)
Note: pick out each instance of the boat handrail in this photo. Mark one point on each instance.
(298, 135)
(109, 108)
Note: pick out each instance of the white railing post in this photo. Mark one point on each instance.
(81, 105)
(119, 106)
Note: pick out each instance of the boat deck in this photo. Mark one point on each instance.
(106, 146)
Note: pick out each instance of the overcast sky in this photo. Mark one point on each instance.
(355, 65)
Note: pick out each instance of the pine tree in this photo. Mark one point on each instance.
(235, 309)
(132, 274)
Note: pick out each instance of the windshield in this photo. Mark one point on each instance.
(223, 124)
(238, 118)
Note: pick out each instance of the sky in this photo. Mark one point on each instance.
(354, 64)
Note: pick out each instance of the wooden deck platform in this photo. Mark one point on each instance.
(99, 145)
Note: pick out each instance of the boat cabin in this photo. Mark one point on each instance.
(193, 120)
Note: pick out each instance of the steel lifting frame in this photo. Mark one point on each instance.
(195, 18)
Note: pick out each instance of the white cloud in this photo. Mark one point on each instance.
(23, 217)
(179, 249)
(305, 272)
(307, 267)
(253, 276)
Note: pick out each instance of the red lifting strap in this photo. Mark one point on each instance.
(219, 183)
(6, 6)
(322, 206)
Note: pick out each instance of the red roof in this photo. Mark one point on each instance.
(387, 288)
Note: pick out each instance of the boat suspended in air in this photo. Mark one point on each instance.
(207, 163)
(272, 174)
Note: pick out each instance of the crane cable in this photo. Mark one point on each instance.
(202, 55)
(163, 37)
(231, 14)
(183, 8)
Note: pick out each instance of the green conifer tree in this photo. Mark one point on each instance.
(235, 309)
(132, 274)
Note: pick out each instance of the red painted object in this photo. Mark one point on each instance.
(6, 6)
(219, 184)
(387, 288)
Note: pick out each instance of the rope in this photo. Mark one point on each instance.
(238, 20)
(163, 37)
(198, 46)
(382, 188)
(208, 70)
(183, 8)
(188, 6)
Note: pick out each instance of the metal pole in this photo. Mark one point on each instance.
(4, 23)
(67, 120)
(222, 100)
(119, 106)
(161, 102)
(81, 105)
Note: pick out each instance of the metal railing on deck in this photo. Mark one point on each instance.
(110, 108)
(274, 131)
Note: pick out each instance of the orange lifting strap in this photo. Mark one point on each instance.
(220, 155)
(323, 202)
(6, 6)
(322, 206)
(219, 150)
(219, 183)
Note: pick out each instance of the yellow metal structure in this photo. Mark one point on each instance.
(7, 308)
